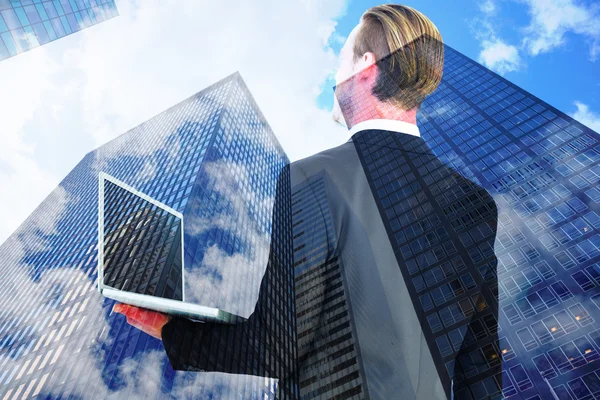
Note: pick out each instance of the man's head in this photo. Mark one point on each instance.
(390, 62)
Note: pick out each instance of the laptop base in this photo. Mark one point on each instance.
(172, 307)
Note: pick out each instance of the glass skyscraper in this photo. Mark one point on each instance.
(321, 377)
(25, 24)
(204, 158)
(542, 168)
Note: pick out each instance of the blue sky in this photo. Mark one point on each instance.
(562, 75)
(68, 97)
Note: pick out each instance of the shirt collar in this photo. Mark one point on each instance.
(386, 125)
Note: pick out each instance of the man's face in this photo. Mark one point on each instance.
(346, 70)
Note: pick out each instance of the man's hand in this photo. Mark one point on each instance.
(145, 320)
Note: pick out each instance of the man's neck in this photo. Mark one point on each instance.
(379, 110)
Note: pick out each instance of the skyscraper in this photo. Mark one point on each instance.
(542, 168)
(204, 157)
(322, 377)
(25, 24)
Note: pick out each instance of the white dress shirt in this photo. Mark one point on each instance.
(385, 124)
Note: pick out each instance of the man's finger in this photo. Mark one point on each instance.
(148, 321)
(122, 308)
(128, 310)
(144, 317)
(118, 308)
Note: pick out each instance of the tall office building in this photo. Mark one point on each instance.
(322, 377)
(542, 168)
(25, 24)
(204, 158)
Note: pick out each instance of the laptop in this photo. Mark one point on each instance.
(141, 253)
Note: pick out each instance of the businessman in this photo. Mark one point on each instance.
(403, 299)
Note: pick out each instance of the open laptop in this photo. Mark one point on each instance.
(141, 253)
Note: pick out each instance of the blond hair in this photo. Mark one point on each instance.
(409, 53)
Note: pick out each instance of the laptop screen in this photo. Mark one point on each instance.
(142, 243)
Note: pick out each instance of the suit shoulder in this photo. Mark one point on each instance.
(324, 159)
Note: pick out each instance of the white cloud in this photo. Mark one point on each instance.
(499, 56)
(551, 20)
(58, 345)
(495, 54)
(337, 38)
(231, 182)
(63, 99)
(488, 7)
(586, 116)
(22, 180)
(30, 238)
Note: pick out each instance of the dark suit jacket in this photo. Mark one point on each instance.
(388, 196)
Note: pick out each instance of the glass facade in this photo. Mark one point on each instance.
(25, 24)
(325, 312)
(59, 338)
(141, 246)
(542, 169)
(442, 229)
